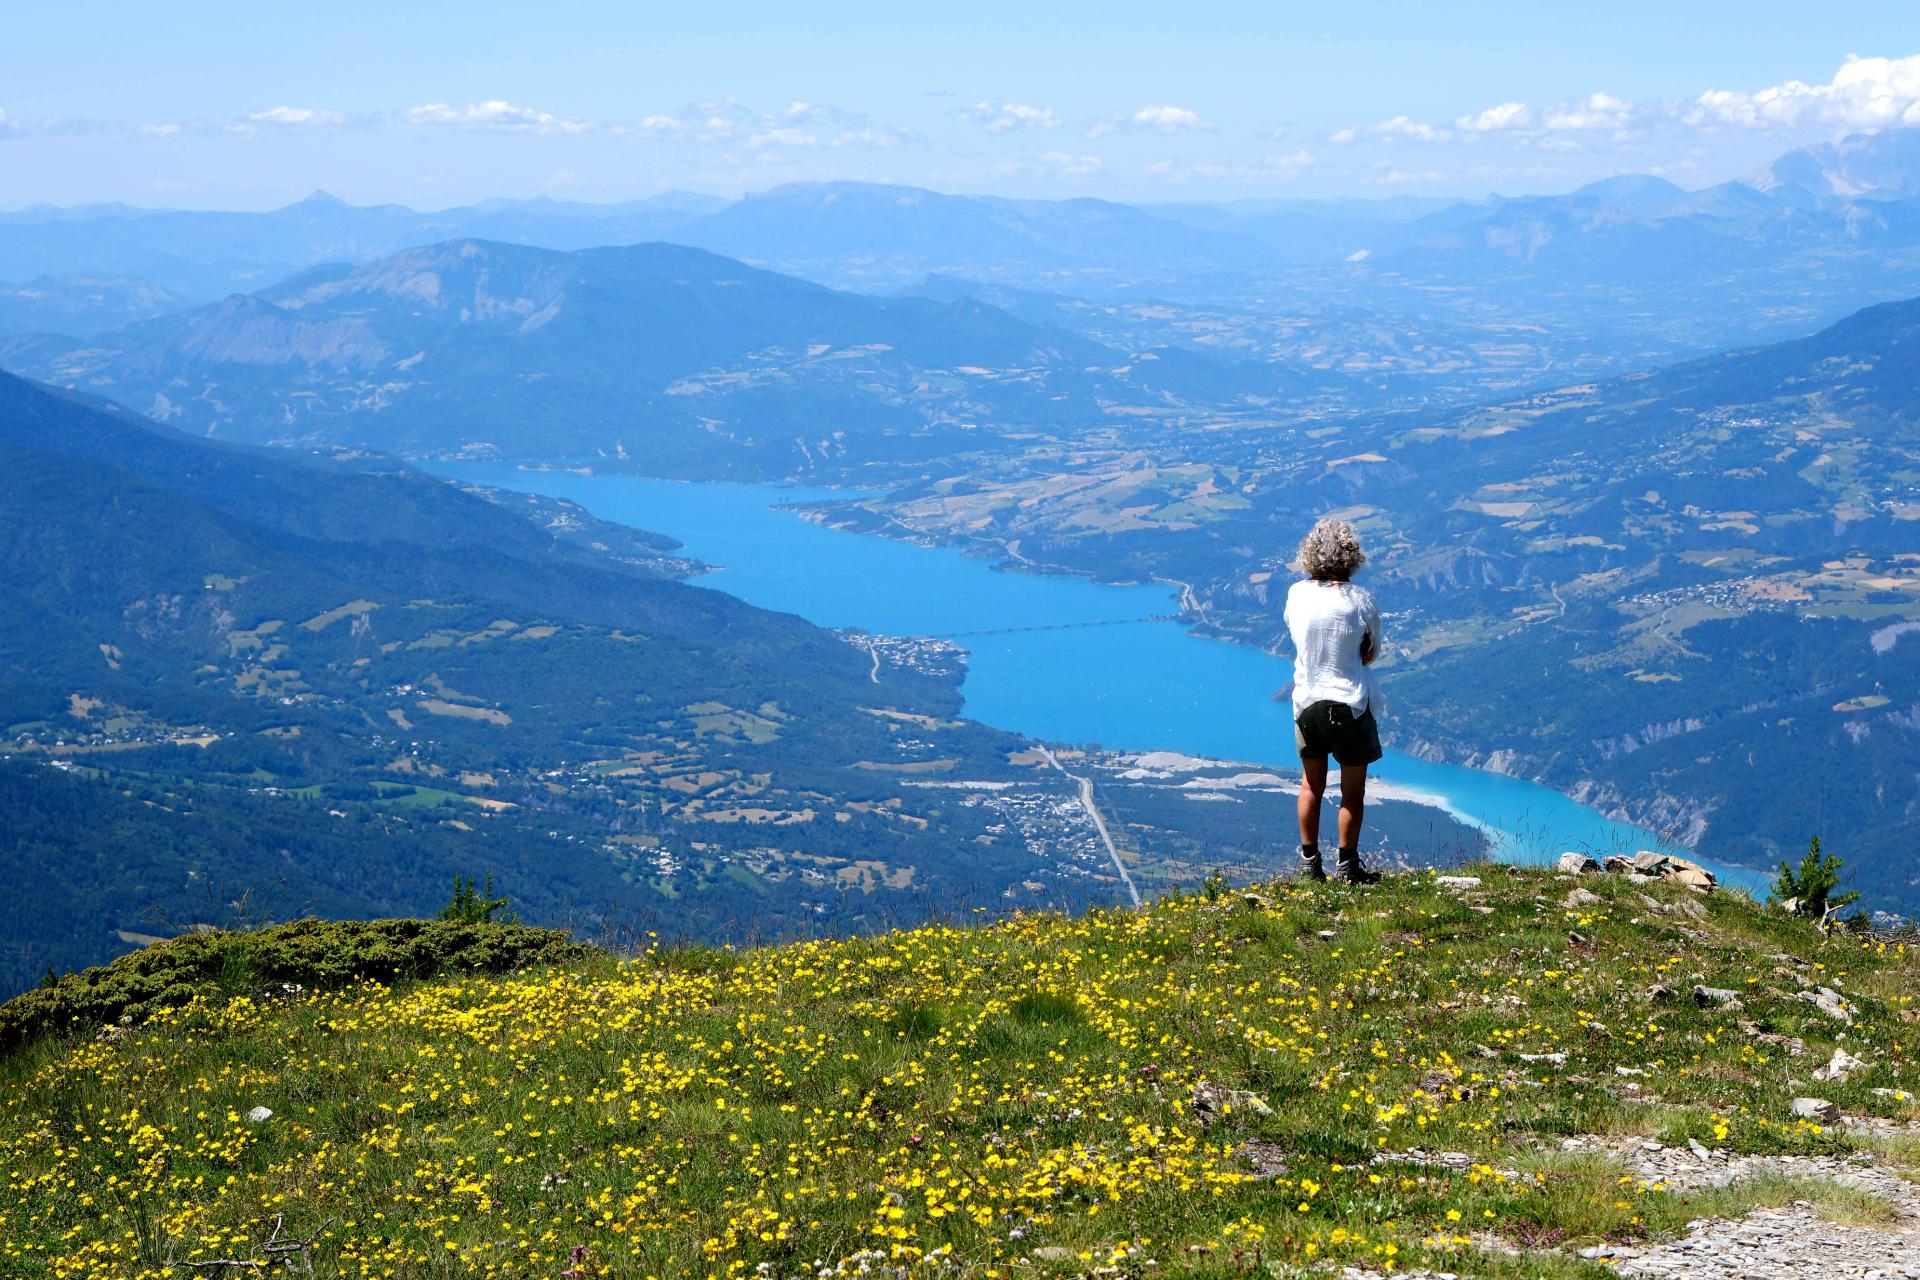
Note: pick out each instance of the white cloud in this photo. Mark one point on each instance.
(1397, 129)
(783, 137)
(1003, 117)
(494, 114)
(1055, 164)
(1167, 119)
(1865, 93)
(799, 124)
(870, 136)
(1405, 177)
(1514, 119)
(1270, 168)
(802, 112)
(1595, 111)
(655, 125)
(715, 120)
(1405, 129)
(1508, 115)
(1164, 118)
(296, 117)
(152, 130)
(1068, 165)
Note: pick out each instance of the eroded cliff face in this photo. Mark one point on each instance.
(1682, 818)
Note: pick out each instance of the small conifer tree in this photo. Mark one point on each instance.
(1813, 885)
(474, 905)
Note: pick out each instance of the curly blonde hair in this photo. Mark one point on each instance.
(1331, 550)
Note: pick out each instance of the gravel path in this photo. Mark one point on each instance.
(1792, 1242)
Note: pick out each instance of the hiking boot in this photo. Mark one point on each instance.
(1310, 865)
(1349, 871)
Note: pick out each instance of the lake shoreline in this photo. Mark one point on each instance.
(1001, 558)
(1147, 690)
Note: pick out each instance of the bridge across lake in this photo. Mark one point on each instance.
(1051, 659)
(1053, 626)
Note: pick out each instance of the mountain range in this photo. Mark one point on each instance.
(206, 255)
(849, 233)
(697, 361)
(1410, 301)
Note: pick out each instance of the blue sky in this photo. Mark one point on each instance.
(431, 104)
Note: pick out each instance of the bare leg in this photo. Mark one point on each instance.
(1353, 808)
(1353, 803)
(1313, 787)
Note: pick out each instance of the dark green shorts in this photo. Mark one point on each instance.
(1331, 729)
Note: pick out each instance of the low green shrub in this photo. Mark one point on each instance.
(316, 954)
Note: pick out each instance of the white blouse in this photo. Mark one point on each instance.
(1328, 622)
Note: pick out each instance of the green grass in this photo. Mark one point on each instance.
(1000, 1101)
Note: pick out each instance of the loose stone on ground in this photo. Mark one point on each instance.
(1792, 1242)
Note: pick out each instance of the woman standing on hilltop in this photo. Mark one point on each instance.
(1336, 636)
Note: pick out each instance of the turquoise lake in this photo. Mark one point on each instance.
(1141, 686)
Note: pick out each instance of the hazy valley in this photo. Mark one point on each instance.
(1663, 587)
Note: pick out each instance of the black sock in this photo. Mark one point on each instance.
(1310, 851)
(1350, 855)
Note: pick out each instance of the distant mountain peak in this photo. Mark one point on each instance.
(822, 193)
(1631, 185)
(1884, 165)
(320, 199)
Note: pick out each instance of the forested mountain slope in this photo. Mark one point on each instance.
(1690, 595)
(695, 363)
(330, 683)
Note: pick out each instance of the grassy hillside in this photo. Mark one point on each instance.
(1049, 1095)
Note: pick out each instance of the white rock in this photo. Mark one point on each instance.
(1457, 882)
(1698, 879)
(1578, 863)
(1711, 997)
(259, 1115)
(1818, 1110)
(1828, 1002)
(1839, 1067)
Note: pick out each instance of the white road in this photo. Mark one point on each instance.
(1099, 823)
